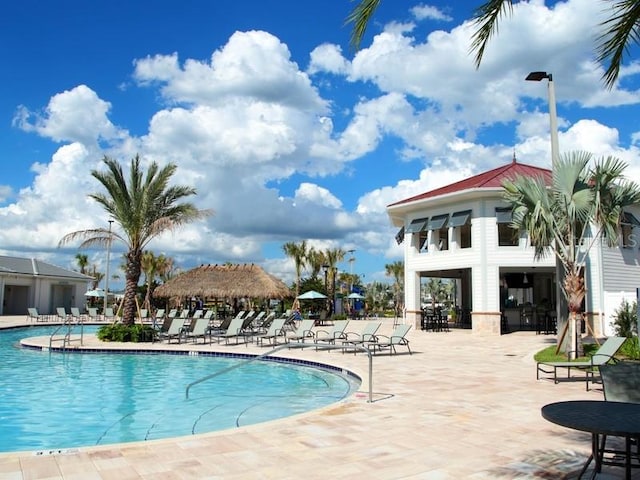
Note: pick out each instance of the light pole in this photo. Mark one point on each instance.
(553, 115)
(106, 279)
(561, 304)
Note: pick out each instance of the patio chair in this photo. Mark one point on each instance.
(175, 330)
(330, 336)
(228, 329)
(276, 329)
(602, 356)
(62, 314)
(199, 328)
(398, 338)
(32, 314)
(620, 383)
(302, 332)
(92, 314)
(368, 334)
(75, 314)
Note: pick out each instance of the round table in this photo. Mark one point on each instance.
(598, 418)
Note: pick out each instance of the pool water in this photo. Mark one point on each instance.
(51, 401)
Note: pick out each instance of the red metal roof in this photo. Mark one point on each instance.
(490, 179)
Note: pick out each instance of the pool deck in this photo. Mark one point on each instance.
(463, 406)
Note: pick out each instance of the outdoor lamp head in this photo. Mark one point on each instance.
(537, 76)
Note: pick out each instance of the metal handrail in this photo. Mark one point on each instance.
(66, 340)
(291, 345)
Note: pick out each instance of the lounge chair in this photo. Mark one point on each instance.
(603, 355)
(368, 334)
(158, 318)
(75, 314)
(276, 329)
(144, 315)
(92, 314)
(303, 331)
(32, 314)
(397, 338)
(330, 336)
(228, 329)
(175, 330)
(109, 315)
(62, 314)
(199, 328)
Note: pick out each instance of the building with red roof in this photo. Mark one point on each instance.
(462, 232)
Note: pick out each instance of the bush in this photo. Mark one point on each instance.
(624, 319)
(118, 332)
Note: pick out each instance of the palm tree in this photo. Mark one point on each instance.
(144, 207)
(395, 270)
(315, 260)
(437, 291)
(298, 252)
(83, 262)
(584, 205)
(97, 277)
(619, 30)
(332, 257)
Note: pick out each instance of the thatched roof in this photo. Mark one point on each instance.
(224, 281)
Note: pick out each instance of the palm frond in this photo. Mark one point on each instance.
(486, 19)
(360, 17)
(613, 44)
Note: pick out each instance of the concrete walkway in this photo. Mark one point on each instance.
(463, 406)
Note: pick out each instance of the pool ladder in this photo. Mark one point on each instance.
(66, 339)
(292, 345)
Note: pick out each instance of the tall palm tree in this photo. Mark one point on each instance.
(298, 252)
(143, 207)
(584, 205)
(619, 30)
(83, 261)
(437, 291)
(315, 261)
(97, 277)
(332, 257)
(395, 270)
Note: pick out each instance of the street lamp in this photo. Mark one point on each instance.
(106, 280)
(553, 115)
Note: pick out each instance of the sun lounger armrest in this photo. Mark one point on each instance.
(601, 360)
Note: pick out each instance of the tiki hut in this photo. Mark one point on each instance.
(224, 281)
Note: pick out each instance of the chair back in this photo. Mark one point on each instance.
(208, 314)
(199, 326)
(93, 313)
(144, 314)
(235, 327)
(75, 312)
(159, 313)
(173, 312)
(399, 333)
(369, 331)
(176, 326)
(607, 350)
(338, 327)
(197, 314)
(621, 382)
(305, 326)
(33, 312)
(276, 327)
(62, 313)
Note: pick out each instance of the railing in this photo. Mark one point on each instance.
(69, 323)
(292, 345)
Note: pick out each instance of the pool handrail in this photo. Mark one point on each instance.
(291, 345)
(69, 322)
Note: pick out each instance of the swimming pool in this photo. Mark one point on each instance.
(58, 401)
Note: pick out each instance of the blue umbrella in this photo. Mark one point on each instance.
(311, 295)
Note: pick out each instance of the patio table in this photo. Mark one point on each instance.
(600, 418)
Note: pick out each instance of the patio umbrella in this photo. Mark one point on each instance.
(311, 295)
(95, 293)
(355, 296)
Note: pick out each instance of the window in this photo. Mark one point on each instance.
(507, 236)
(462, 222)
(422, 241)
(418, 226)
(400, 236)
(438, 225)
(627, 224)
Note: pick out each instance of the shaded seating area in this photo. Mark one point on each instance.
(605, 354)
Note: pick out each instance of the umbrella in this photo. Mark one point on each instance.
(96, 293)
(311, 295)
(355, 296)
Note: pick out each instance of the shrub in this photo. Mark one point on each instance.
(624, 319)
(118, 332)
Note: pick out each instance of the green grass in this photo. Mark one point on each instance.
(549, 354)
(629, 351)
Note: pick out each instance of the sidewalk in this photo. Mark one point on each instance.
(463, 406)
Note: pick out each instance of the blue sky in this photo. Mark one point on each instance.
(284, 130)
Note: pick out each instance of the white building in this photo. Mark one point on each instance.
(27, 282)
(461, 232)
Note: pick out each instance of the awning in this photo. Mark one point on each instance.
(629, 219)
(400, 236)
(417, 225)
(459, 219)
(438, 222)
(504, 215)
